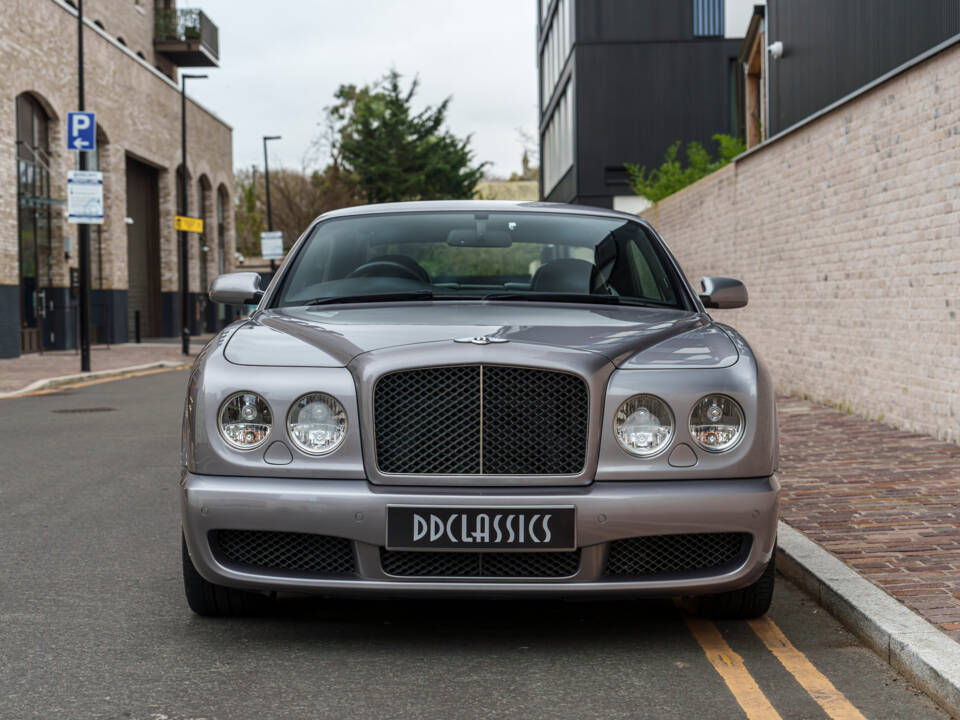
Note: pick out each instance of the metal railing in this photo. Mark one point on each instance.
(187, 24)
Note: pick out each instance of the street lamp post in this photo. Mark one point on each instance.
(266, 176)
(83, 230)
(184, 250)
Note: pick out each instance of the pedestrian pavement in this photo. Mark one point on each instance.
(17, 374)
(885, 501)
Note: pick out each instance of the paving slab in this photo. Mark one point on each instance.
(37, 370)
(884, 501)
(871, 529)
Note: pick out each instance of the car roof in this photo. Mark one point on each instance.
(479, 206)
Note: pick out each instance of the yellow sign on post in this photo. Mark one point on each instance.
(187, 224)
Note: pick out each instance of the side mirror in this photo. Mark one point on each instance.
(723, 293)
(240, 288)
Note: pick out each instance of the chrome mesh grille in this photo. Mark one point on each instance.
(301, 552)
(659, 554)
(480, 564)
(428, 421)
(481, 420)
(534, 422)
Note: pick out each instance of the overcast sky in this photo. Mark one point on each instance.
(281, 61)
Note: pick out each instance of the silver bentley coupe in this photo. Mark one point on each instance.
(482, 399)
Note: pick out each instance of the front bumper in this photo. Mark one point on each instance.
(356, 510)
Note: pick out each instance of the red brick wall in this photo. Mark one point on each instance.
(847, 234)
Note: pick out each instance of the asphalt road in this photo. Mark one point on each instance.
(93, 623)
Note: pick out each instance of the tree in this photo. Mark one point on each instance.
(672, 175)
(397, 154)
(531, 157)
(296, 198)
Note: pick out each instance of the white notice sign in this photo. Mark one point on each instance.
(271, 245)
(85, 197)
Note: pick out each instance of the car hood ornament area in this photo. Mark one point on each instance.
(482, 340)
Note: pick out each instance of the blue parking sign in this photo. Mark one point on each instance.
(81, 131)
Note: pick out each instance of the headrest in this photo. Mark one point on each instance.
(566, 275)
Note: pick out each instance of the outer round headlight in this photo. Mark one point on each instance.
(317, 423)
(716, 423)
(643, 425)
(245, 420)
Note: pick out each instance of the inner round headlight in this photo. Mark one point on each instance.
(245, 420)
(643, 425)
(716, 423)
(317, 423)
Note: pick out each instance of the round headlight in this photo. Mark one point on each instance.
(245, 420)
(643, 425)
(317, 423)
(716, 423)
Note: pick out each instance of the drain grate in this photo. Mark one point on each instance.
(71, 411)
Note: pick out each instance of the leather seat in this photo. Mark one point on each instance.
(567, 275)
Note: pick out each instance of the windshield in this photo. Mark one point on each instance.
(490, 255)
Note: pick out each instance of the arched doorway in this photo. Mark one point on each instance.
(33, 221)
(143, 250)
(204, 308)
(222, 209)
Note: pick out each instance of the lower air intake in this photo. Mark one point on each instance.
(298, 552)
(665, 554)
(480, 564)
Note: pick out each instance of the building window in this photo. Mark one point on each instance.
(557, 152)
(33, 219)
(708, 18)
(556, 49)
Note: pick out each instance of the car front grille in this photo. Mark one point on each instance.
(299, 552)
(480, 564)
(665, 554)
(481, 420)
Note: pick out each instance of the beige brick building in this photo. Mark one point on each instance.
(846, 231)
(133, 50)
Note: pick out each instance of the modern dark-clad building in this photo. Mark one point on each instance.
(621, 80)
(815, 52)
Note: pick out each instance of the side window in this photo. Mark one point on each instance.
(647, 284)
(583, 253)
(636, 270)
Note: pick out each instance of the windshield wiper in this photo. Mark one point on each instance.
(374, 297)
(392, 297)
(574, 298)
(556, 297)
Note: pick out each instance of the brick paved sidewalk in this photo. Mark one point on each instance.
(887, 502)
(17, 373)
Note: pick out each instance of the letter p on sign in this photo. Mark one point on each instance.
(81, 131)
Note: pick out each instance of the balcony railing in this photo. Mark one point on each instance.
(188, 36)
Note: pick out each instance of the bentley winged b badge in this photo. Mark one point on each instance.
(482, 340)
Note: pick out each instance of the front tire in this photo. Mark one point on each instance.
(749, 602)
(210, 600)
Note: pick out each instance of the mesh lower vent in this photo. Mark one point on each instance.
(301, 552)
(476, 564)
(660, 554)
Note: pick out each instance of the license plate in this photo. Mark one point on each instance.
(481, 528)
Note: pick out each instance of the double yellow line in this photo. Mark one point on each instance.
(747, 693)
